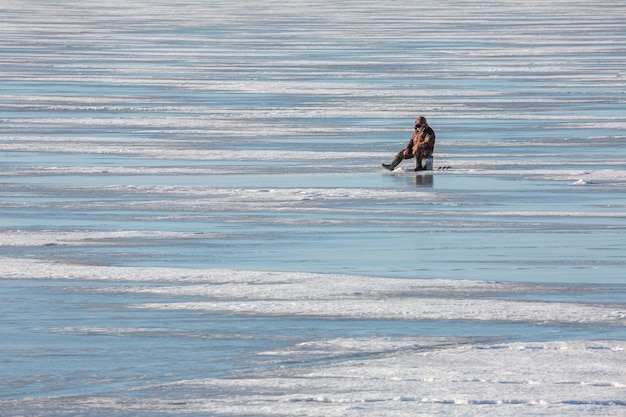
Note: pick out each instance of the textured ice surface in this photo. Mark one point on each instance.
(95, 340)
(193, 218)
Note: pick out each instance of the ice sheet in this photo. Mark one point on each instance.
(331, 296)
(193, 217)
(281, 343)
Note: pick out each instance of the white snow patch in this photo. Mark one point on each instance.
(561, 378)
(325, 295)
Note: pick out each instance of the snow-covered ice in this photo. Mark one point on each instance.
(193, 218)
(192, 341)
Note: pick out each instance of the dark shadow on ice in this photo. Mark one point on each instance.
(418, 179)
(424, 180)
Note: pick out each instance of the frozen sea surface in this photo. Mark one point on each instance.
(194, 220)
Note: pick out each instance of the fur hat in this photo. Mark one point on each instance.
(421, 121)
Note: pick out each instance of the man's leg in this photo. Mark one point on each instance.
(418, 164)
(396, 161)
(423, 163)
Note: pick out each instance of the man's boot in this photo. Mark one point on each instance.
(425, 164)
(393, 164)
(418, 164)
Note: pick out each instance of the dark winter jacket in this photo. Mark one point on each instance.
(422, 143)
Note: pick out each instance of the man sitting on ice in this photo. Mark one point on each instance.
(420, 146)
